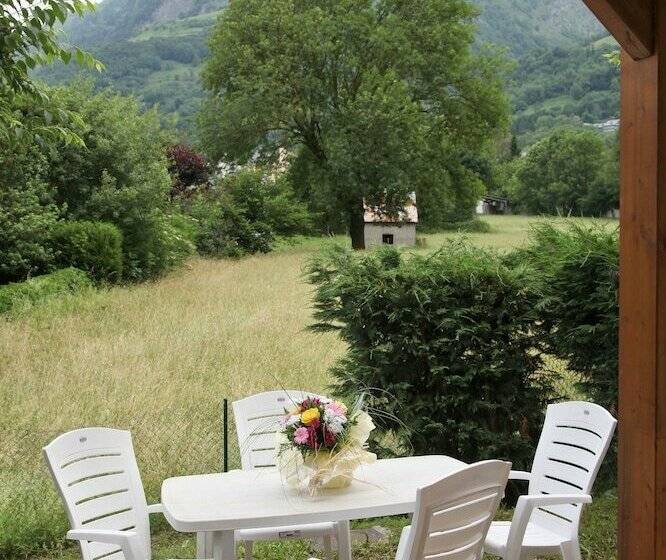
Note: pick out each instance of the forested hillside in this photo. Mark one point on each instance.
(115, 20)
(154, 48)
(522, 25)
(558, 86)
(151, 48)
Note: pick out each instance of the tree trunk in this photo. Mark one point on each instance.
(357, 227)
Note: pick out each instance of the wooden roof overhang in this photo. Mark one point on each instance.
(640, 28)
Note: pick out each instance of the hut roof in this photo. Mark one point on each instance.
(408, 215)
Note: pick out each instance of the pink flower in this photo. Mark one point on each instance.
(337, 408)
(301, 436)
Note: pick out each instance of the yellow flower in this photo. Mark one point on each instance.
(310, 415)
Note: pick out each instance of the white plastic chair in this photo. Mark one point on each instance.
(573, 444)
(257, 420)
(96, 474)
(453, 515)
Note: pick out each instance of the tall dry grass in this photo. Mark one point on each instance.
(156, 359)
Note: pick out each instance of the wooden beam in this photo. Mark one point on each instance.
(642, 409)
(631, 22)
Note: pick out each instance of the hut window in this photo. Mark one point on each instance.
(387, 239)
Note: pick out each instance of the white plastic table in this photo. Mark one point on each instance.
(218, 504)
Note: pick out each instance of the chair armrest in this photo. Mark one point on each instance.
(523, 512)
(156, 508)
(553, 500)
(520, 475)
(128, 541)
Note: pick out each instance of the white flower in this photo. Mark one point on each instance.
(361, 428)
(334, 422)
(335, 425)
(292, 420)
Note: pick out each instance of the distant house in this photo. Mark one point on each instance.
(382, 229)
(493, 205)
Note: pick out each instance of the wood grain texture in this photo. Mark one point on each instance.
(660, 466)
(642, 469)
(638, 309)
(630, 22)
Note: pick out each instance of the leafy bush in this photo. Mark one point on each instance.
(121, 178)
(446, 336)
(40, 288)
(27, 214)
(575, 273)
(152, 244)
(187, 168)
(245, 212)
(26, 220)
(223, 229)
(270, 202)
(94, 247)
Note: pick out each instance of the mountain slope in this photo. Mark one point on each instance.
(154, 49)
(522, 25)
(115, 20)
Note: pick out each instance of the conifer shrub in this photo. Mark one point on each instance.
(443, 343)
(575, 273)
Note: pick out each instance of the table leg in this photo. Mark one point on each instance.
(224, 545)
(204, 545)
(344, 541)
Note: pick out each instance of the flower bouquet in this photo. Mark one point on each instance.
(321, 443)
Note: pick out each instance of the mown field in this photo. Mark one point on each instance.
(158, 359)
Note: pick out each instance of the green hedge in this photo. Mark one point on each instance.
(443, 343)
(575, 272)
(42, 288)
(95, 247)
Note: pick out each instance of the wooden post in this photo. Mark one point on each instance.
(642, 409)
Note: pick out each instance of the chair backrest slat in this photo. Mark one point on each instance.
(96, 474)
(257, 419)
(574, 441)
(453, 515)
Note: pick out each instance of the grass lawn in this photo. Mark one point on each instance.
(157, 359)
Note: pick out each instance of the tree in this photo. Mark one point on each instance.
(375, 94)
(560, 173)
(27, 215)
(28, 38)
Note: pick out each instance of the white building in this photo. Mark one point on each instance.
(381, 229)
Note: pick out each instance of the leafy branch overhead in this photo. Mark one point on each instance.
(29, 38)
